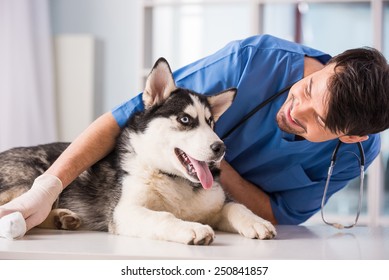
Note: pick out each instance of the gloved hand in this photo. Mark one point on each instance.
(34, 205)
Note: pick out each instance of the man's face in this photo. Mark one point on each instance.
(304, 111)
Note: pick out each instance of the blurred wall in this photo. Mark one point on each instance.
(115, 25)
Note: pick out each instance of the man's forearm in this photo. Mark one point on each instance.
(244, 192)
(91, 146)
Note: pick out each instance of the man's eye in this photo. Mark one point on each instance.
(306, 93)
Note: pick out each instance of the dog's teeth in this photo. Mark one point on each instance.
(187, 163)
(190, 169)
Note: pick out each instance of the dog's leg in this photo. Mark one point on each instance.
(14, 192)
(61, 219)
(236, 217)
(137, 221)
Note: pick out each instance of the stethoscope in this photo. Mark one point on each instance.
(362, 175)
(330, 169)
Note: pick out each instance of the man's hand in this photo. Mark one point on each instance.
(35, 205)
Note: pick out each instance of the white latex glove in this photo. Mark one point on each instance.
(34, 206)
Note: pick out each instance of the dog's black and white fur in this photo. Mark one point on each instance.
(157, 183)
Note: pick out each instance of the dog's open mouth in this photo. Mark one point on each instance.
(195, 168)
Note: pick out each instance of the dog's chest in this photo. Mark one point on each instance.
(161, 192)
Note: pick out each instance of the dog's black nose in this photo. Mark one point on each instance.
(218, 148)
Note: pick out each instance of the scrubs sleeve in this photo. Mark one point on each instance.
(295, 206)
(127, 109)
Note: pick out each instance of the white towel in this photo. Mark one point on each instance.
(13, 226)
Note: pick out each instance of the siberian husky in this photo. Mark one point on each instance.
(157, 183)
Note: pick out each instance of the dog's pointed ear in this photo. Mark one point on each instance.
(159, 84)
(221, 101)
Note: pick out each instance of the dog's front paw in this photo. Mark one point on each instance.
(257, 228)
(66, 219)
(196, 234)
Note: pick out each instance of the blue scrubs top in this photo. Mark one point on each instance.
(291, 172)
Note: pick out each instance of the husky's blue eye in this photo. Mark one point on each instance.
(184, 120)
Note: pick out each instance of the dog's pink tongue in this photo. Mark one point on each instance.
(203, 172)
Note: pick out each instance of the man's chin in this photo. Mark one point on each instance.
(283, 125)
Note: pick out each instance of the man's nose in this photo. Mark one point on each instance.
(302, 107)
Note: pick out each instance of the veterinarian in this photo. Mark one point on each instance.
(277, 160)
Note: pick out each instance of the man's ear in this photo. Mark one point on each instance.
(350, 139)
(159, 84)
(220, 102)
